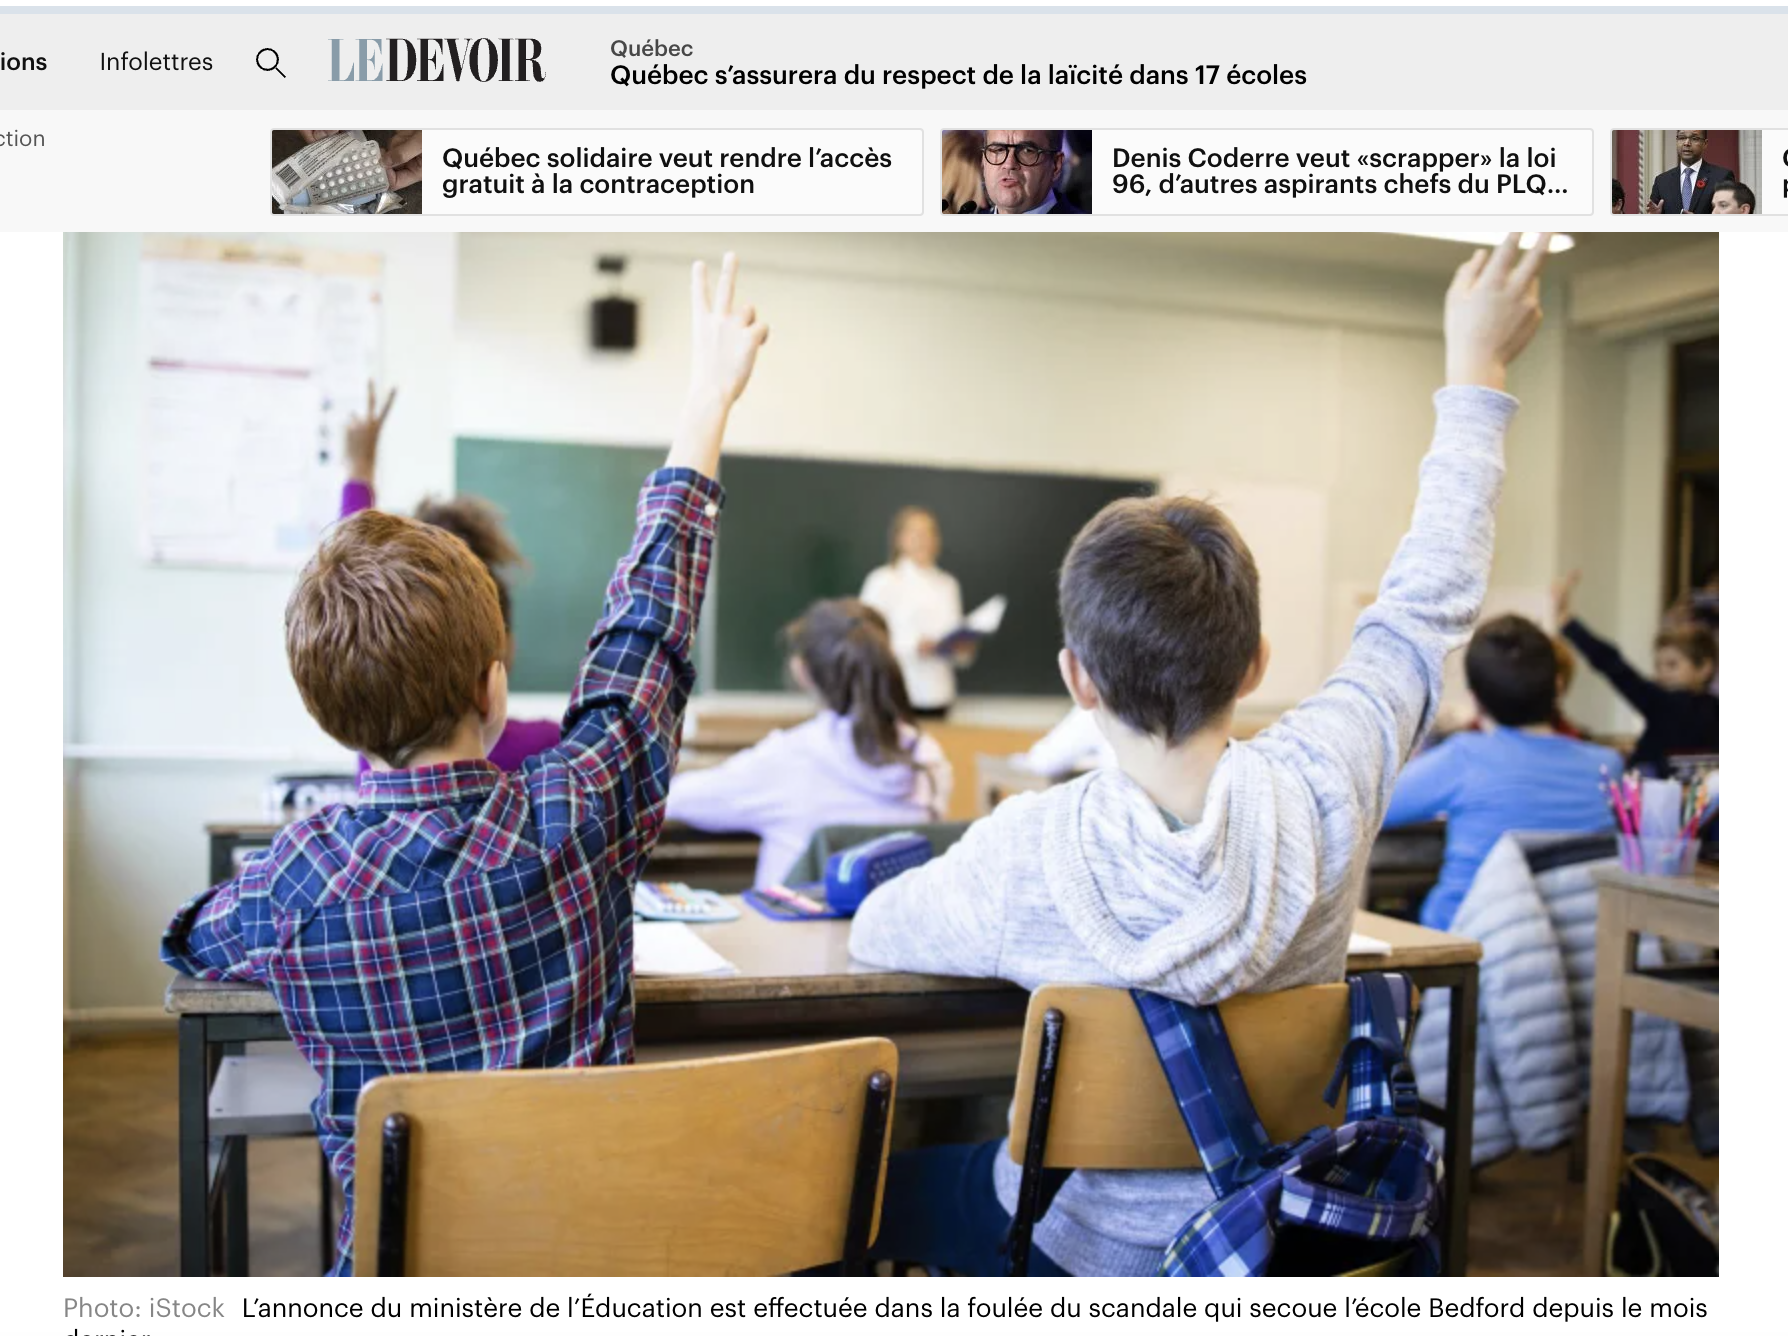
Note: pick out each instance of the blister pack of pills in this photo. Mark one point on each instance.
(344, 173)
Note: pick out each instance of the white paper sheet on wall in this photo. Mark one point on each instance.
(254, 362)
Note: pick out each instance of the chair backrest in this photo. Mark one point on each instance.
(1112, 1108)
(828, 840)
(742, 1165)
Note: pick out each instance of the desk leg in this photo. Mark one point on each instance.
(196, 1064)
(1462, 1072)
(1611, 1042)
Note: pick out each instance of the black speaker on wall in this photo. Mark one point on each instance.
(614, 323)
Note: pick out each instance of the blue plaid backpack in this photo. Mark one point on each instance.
(1362, 1198)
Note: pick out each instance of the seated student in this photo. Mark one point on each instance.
(477, 524)
(459, 916)
(1519, 774)
(859, 761)
(1075, 743)
(1200, 866)
(1682, 715)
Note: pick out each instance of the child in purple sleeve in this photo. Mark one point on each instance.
(476, 523)
(860, 761)
(456, 916)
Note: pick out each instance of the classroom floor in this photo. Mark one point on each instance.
(120, 1212)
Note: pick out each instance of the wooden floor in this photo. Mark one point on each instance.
(120, 1201)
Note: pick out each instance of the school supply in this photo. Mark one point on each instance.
(1666, 1222)
(1358, 944)
(679, 903)
(851, 875)
(293, 797)
(983, 622)
(665, 949)
(1361, 1199)
(1660, 820)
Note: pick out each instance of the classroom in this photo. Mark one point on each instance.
(931, 422)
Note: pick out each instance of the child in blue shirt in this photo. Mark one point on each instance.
(1520, 773)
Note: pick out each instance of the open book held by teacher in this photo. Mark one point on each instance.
(975, 628)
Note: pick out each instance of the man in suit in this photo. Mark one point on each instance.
(1021, 168)
(1689, 186)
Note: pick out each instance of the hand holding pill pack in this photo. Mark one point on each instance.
(335, 175)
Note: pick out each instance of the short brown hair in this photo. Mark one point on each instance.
(1694, 642)
(1160, 602)
(390, 633)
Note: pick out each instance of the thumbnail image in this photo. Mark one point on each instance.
(1018, 171)
(1687, 171)
(347, 171)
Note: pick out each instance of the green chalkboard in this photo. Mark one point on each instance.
(794, 530)
(570, 508)
(801, 529)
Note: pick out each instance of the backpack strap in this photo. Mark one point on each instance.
(1200, 1066)
(1374, 1062)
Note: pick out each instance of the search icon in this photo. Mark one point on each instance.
(267, 60)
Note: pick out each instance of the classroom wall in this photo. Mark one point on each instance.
(1129, 355)
(178, 703)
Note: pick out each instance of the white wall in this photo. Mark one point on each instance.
(169, 664)
(1153, 356)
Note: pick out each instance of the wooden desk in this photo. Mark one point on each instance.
(794, 981)
(1681, 909)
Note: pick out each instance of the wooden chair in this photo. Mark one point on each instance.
(760, 1164)
(1091, 1093)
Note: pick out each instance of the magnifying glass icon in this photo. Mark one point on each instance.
(267, 60)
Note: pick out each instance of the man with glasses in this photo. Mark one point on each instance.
(1689, 186)
(1021, 168)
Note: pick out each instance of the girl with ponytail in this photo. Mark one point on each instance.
(859, 761)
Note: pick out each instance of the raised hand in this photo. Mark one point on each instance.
(1654, 206)
(1562, 589)
(723, 342)
(363, 436)
(1492, 311)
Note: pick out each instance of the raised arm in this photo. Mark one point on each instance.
(621, 728)
(1349, 740)
(1641, 693)
(361, 450)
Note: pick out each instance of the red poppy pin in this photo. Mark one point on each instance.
(1699, 184)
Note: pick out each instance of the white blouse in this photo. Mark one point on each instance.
(920, 603)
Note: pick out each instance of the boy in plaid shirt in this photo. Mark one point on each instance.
(458, 917)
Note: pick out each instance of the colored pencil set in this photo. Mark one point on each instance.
(1660, 820)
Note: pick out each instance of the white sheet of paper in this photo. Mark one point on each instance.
(663, 949)
(1358, 944)
(987, 618)
(254, 363)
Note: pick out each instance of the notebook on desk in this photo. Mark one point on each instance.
(662, 950)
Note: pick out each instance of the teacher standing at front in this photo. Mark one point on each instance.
(922, 604)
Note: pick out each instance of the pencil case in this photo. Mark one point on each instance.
(853, 873)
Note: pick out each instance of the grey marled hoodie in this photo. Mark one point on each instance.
(1087, 883)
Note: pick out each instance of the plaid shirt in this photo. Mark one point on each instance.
(460, 918)
(1373, 1181)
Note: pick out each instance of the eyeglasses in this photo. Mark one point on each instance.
(1691, 139)
(1029, 155)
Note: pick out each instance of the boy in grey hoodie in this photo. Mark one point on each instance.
(1199, 867)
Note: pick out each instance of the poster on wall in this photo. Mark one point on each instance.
(254, 361)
